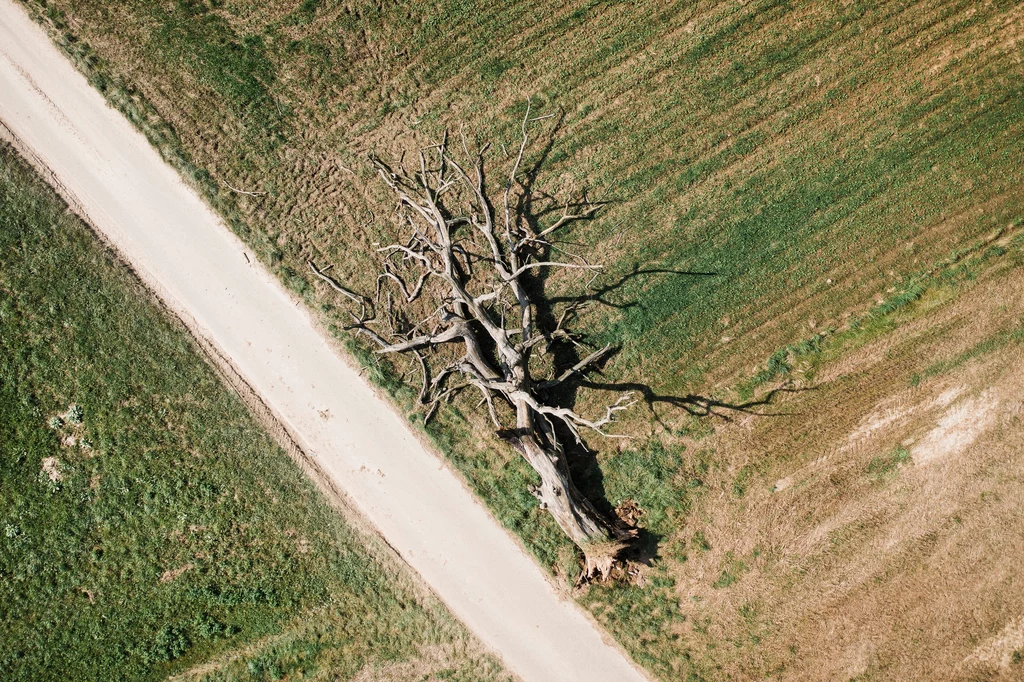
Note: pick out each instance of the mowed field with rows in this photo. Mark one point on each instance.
(151, 527)
(811, 233)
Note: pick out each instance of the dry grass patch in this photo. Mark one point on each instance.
(888, 551)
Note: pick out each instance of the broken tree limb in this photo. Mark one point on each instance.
(579, 368)
(351, 295)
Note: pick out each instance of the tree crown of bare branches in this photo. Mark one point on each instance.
(455, 295)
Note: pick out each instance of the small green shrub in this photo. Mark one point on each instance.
(901, 300)
(731, 572)
(884, 466)
(647, 475)
(207, 627)
(75, 415)
(742, 480)
(170, 643)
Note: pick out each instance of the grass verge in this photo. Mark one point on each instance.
(149, 524)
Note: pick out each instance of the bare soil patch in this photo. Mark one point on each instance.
(884, 537)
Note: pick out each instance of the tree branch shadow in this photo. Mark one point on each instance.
(698, 405)
(600, 293)
(585, 471)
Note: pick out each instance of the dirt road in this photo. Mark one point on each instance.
(201, 271)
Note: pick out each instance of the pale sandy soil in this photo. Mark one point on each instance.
(182, 251)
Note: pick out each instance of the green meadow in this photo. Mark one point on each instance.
(150, 526)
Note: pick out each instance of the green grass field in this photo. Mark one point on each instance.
(773, 144)
(149, 524)
(789, 185)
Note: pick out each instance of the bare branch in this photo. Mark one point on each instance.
(425, 341)
(552, 264)
(351, 295)
(426, 377)
(567, 218)
(431, 411)
(359, 327)
(410, 296)
(242, 191)
(578, 368)
(488, 398)
(573, 420)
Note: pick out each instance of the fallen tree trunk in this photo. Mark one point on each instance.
(454, 294)
(600, 540)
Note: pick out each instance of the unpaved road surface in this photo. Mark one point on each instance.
(191, 260)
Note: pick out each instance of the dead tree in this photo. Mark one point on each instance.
(454, 296)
